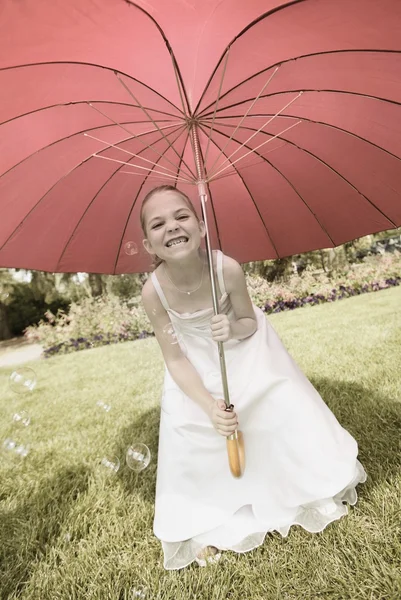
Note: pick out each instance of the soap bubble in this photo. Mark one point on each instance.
(9, 444)
(23, 380)
(138, 457)
(22, 450)
(138, 593)
(106, 407)
(111, 463)
(130, 248)
(15, 447)
(171, 334)
(22, 418)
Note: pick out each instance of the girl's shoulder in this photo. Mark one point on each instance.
(232, 271)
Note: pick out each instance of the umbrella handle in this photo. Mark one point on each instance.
(236, 451)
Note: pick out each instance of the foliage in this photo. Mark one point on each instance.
(106, 319)
(25, 308)
(312, 287)
(93, 322)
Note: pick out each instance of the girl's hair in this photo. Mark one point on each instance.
(162, 188)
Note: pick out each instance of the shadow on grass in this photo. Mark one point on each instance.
(373, 419)
(370, 417)
(28, 532)
(145, 430)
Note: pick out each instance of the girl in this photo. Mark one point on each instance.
(301, 465)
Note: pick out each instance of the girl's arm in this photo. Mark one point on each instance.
(181, 369)
(245, 324)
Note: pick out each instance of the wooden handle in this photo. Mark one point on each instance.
(236, 454)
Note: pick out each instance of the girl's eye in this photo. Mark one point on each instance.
(180, 217)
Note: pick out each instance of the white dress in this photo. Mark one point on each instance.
(301, 464)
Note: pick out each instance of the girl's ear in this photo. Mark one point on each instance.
(202, 229)
(147, 246)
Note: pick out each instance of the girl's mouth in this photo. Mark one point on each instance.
(177, 241)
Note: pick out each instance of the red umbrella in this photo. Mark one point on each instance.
(287, 111)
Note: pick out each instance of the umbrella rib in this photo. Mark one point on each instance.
(257, 147)
(299, 58)
(304, 90)
(154, 122)
(253, 200)
(242, 118)
(139, 167)
(178, 79)
(71, 136)
(216, 104)
(324, 125)
(183, 150)
(130, 132)
(102, 67)
(126, 151)
(331, 169)
(296, 192)
(68, 137)
(58, 181)
(259, 130)
(50, 106)
(130, 212)
(243, 167)
(92, 201)
(157, 25)
(254, 22)
(161, 178)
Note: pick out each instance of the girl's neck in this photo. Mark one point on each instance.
(187, 272)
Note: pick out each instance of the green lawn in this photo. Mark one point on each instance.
(69, 530)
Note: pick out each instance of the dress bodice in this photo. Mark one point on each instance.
(197, 322)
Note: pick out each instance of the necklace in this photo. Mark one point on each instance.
(182, 291)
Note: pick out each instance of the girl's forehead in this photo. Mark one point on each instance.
(163, 204)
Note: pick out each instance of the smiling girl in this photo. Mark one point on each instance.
(301, 463)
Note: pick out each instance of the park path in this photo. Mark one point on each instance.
(17, 352)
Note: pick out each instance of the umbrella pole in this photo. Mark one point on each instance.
(235, 442)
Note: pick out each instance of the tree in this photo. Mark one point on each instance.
(6, 284)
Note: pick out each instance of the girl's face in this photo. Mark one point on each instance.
(168, 219)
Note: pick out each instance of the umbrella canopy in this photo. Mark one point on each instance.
(297, 105)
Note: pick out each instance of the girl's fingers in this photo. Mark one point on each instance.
(233, 423)
(230, 428)
(226, 416)
(226, 433)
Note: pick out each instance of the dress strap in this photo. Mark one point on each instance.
(163, 298)
(220, 271)
(159, 291)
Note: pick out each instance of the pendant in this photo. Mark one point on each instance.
(188, 293)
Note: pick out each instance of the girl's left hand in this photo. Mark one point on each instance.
(221, 328)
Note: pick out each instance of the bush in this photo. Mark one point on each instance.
(24, 309)
(93, 322)
(106, 320)
(312, 288)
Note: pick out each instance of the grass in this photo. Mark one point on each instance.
(71, 531)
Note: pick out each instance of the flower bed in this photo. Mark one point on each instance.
(107, 320)
(309, 289)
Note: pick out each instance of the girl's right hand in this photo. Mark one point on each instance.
(224, 422)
